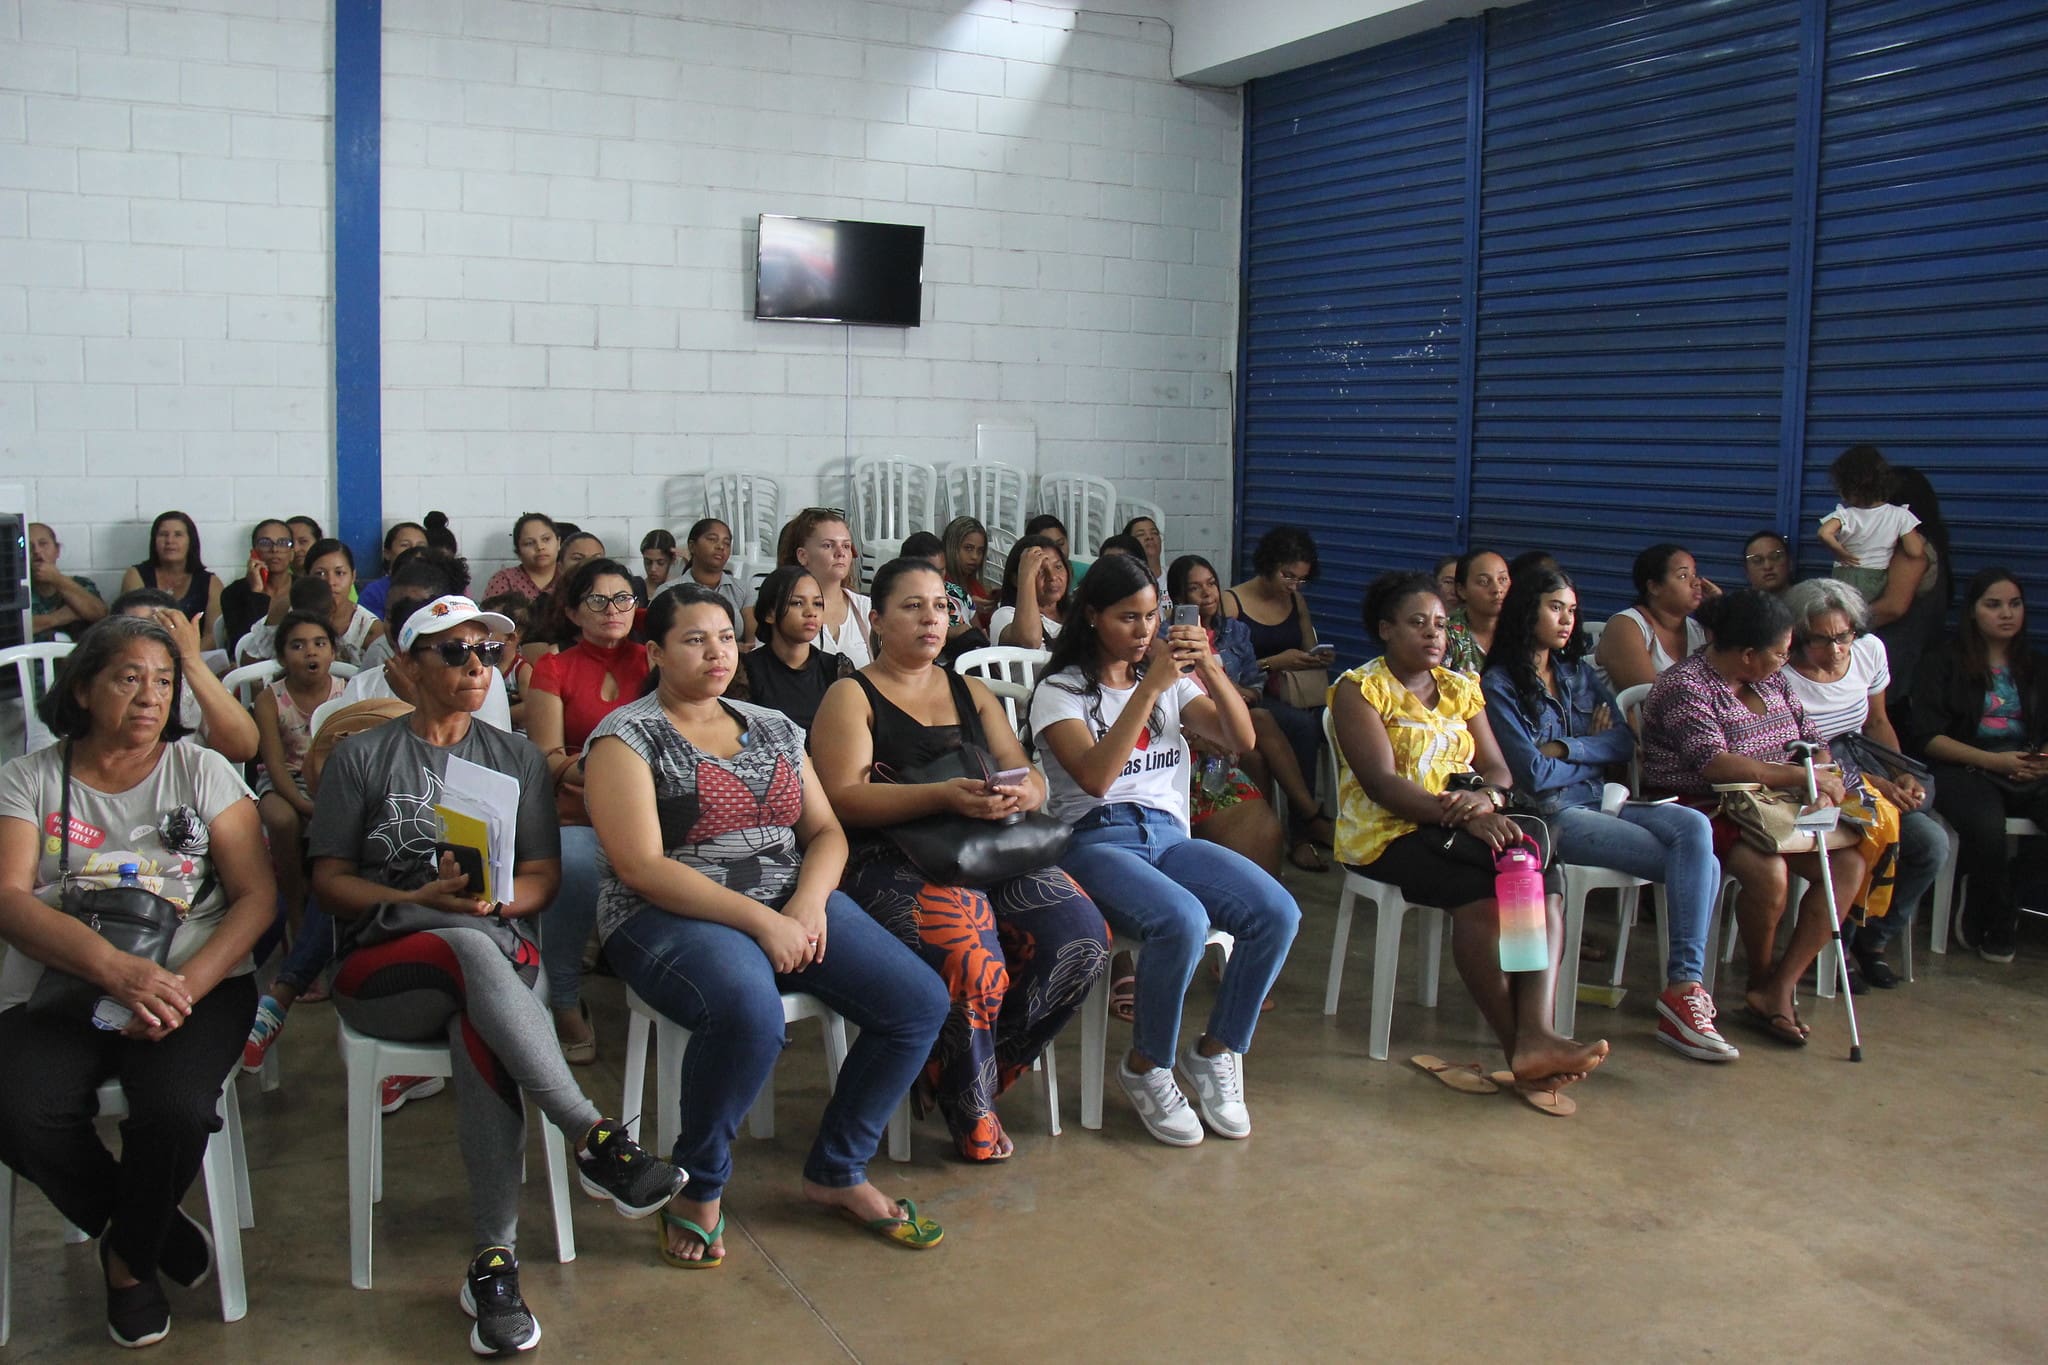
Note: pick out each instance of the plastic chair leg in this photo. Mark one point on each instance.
(362, 1163)
(1094, 1042)
(1565, 1008)
(1386, 956)
(636, 1073)
(1340, 943)
(1048, 1073)
(245, 1202)
(669, 1041)
(218, 1167)
(1433, 922)
(555, 1143)
(1941, 912)
(7, 1180)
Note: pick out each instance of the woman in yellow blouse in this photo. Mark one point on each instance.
(1405, 724)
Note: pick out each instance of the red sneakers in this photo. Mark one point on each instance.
(398, 1089)
(1685, 1024)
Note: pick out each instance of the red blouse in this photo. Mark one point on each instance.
(577, 674)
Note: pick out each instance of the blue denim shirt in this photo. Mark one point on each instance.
(1555, 784)
(1234, 651)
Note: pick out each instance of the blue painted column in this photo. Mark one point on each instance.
(1468, 290)
(1813, 60)
(358, 401)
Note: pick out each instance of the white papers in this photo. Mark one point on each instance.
(492, 799)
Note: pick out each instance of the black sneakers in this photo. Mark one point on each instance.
(138, 1315)
(187, 1257)
(490, 1294)
(616, 1168)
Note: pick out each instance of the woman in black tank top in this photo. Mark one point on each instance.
(1017, 957)
(174, 566)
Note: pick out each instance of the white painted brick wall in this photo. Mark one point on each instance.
(164, 248)
(569, 192)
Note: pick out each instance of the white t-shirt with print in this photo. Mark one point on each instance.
(1156, 774)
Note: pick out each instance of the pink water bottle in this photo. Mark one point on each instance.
(1524, 928)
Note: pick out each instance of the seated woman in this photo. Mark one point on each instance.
(819, 539)
(1767, 562)
(1273, 609)
(425, 575)
(965, 543)
(1152, 543)
(598, 670)
(1981, 704)
(1483, 583)
(177, 816)
(306, 533)
(535, 542)
(209, 714)
(1839, 673)
(789, 673)
(1446, 575)
(1225, 803)
(1642, 641)
(1405, 724)
(1016, 957)
(1032, 604)
(1726, 714)
(1110, 717)
(247, 600)
(658, 560)
(578, 548)
(284, 717)
(174, 566)
(355, 628)
(707, 549)
(403, 536)
(720, 861)
(1559, 730)
(428, 955)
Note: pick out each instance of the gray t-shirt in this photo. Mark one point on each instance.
(376, 810)
(732, 819)
(161, 824)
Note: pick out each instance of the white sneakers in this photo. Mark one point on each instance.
(1219, 1090)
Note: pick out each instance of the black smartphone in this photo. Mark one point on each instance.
(1187, 614)
(468, 861)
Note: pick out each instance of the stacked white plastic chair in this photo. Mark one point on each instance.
(993, 494)
(33, 665)
(751, 507)
(1085, 505)
(891, 498)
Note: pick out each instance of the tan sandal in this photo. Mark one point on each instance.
(1555, 1103)
(1463, 1077)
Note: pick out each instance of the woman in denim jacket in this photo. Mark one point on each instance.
(1558, 729)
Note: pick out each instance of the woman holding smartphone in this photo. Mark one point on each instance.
(1017, 957)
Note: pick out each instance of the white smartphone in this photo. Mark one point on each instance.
(1324, 651)
(1009, 777)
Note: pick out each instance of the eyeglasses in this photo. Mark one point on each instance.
(1840, 640)
(1758, 561)
(602, 605)
(455, 653)
(268, 543)
(1287, 576)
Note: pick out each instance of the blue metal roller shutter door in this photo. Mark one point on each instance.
(1931, 268)
(1634, 243)
(1353, 266)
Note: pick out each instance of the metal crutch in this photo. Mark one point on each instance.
(1804, 752)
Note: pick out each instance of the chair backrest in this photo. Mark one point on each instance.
(751, 507)
(1593, 630)
(1630, 700)
(891, 498)
(1084, 503)
(993, 494)
(1010, 671)
(323, 711)
(35, 668)
(247, 680)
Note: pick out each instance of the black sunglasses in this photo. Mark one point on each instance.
(455, 653)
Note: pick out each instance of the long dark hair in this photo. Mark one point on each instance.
(563, 631)
(1970, 642)
(1912, 491)
(773, 598)
(1007, 597)
(669, 604)
(1109, 580)
(1514, 635)
(67, 717)
(195, 564)
(1182, 569)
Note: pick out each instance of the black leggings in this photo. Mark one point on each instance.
(1978, 808)
(49, 1069)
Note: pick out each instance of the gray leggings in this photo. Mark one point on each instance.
(458, 984)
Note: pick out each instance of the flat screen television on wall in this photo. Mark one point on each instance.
(826, 270)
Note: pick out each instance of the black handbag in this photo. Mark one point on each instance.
(957, 850)
(133, 920)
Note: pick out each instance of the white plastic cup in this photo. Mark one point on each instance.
(1613, 797)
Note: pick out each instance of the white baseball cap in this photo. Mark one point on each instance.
(445, 613)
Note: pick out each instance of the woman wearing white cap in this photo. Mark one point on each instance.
(429, 953)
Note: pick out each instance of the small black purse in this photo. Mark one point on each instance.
(956, 850)
(132, 919)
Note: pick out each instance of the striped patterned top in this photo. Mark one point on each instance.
(1429, 745)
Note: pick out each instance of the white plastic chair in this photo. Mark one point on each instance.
(1009, 671)
(1950, 891)
(993, 494)
(1085, 505)
(367, 1061)
(1593, 631)
(1095, 1031)
(1130, 509)
(750, 505)
(245, 682)
(34, 664)
(1581, 881)
(891, 498)
(225, 1171)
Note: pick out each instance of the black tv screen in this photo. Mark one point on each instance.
(826, 270)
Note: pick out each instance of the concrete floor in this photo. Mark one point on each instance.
(1790, 1205)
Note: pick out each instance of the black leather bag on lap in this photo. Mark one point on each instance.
(956, 850)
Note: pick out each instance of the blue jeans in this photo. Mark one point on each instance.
(1156, 885)
(566, 924)
(1922, 846)
(1671, 844)
(715, 981)
(310, 952)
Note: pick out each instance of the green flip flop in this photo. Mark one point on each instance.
(707, 1261)
(910, 1232)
